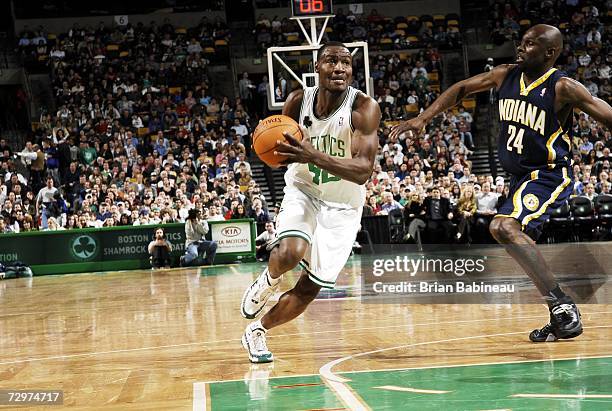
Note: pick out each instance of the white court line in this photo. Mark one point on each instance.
(373, 370)
(410, 389)
(327, 367)
(569, 396)
(87, 354)
(348, 397)
(199, 396)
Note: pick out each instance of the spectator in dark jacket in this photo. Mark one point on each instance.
(438, 215)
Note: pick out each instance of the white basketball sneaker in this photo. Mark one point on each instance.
(254, 341)
(256, 296)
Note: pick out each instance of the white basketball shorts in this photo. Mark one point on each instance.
(329, 231)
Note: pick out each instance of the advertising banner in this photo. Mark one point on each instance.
(232, 236)
(116, 248)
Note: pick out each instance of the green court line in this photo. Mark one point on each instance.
(471, 387)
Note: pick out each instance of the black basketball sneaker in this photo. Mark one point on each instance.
(564, 323)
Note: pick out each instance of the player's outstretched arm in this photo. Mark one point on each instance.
(571, 92)
(366, 119)
(453, 95)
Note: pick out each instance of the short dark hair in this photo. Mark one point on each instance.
(329, 44)
(192, 214)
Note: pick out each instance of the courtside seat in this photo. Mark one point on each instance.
(583, 214)
(396, 226)
(559, 224)
(603, 208)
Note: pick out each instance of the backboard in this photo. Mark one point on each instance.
(292, 67)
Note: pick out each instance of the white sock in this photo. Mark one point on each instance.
(257, 325)
(272, 281)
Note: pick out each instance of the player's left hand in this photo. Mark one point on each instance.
(296, 151)
(414, 127)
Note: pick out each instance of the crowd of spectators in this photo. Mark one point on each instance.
(137, 137)
(162, 47)
(428, 181)
(381, 33)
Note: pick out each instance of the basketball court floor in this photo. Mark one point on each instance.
(170, 340)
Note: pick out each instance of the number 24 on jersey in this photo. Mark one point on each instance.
(515, 140)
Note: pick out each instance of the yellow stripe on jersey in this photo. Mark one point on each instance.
(526, 89)
(553, 197)
(568, 141)
(552, 154)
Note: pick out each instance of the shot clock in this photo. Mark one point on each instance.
(311, 8)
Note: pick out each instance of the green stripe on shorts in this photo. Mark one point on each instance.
(323, 284)
(294, 233)
(315, 279)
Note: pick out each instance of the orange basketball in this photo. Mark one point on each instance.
(268, 132)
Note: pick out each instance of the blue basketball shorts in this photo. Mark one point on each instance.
(534, 195)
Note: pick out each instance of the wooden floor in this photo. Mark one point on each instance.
(156, 340)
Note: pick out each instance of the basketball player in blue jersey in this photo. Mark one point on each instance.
(536, 102)
(324, 196)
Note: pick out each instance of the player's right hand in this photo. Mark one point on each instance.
(415, 126)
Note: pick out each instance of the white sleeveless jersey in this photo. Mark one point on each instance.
(333, 136)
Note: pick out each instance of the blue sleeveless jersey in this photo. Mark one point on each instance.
(531, 136)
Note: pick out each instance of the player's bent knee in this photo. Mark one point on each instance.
(306, 290)
(290, 252)
(494, 227)
(502, 228)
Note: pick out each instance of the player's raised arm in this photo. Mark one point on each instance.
(453, 95)
(366, 118)
(573, 93)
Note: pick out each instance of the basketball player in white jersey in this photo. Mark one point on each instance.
(321, 211)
